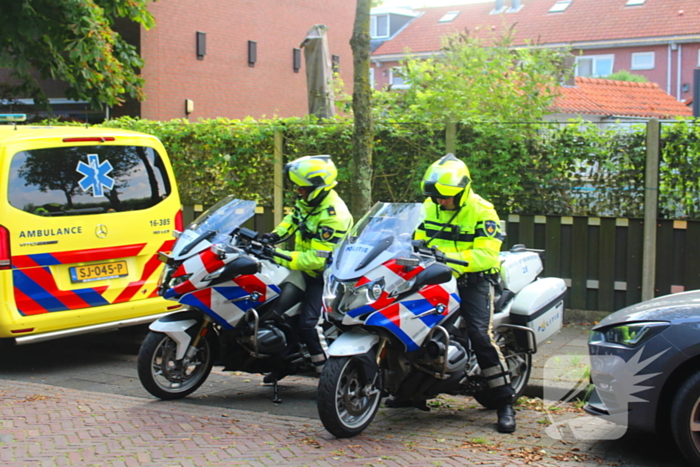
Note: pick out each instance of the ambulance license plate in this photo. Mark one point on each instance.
(96, 272)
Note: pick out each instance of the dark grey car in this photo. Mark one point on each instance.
(645, 365)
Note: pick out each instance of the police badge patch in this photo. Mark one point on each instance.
(327, 233)
(491, 228)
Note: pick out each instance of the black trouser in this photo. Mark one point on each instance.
(310, 331)
(476, 292)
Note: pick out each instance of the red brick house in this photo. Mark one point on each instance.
(659, 39)
(227, 58)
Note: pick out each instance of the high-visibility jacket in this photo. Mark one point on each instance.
(471, 233)
(315, 228)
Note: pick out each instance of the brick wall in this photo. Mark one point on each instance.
(223, 84)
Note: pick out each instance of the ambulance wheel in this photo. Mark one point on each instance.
(163, 375)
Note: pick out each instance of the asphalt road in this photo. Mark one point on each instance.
(106, 363)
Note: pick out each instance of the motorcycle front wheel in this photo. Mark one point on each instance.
(347, 401)
(164, 376)
(519, 364)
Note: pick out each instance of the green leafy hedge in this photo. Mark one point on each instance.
(575, 168)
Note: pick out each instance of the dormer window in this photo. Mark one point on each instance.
(379, 26)
(635, 2)
(449, 16)
(560, 5)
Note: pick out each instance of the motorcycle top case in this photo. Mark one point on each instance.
(540, 306)
(518, 269)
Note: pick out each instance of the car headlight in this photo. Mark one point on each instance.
(628, 334)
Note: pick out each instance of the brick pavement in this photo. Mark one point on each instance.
(49, 425)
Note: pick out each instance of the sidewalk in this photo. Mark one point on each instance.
(569, 347)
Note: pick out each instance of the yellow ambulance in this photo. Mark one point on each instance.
(83, 215)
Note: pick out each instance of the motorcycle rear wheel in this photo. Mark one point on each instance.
(164, 376)
(347, 402)
(520, 365)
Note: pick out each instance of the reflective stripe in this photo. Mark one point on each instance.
(320, 358)
(449, 236)
(498, 381)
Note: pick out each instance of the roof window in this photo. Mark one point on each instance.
(635, 2)
(449, 16)
(561, 5)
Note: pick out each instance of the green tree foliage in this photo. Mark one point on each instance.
(477, 80)
(72, 41)
(624, 75)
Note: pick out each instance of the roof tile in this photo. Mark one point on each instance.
(594, 96)
(582, 21)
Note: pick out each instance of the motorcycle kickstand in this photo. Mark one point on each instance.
(276, 398)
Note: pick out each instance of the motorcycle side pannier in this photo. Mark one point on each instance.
(540, 306)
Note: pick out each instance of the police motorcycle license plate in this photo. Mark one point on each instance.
(94, 272)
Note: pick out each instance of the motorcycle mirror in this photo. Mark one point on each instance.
(409, 262)
(219, 250)
(164, 258)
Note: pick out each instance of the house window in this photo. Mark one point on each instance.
(635, 2)
(371, 78)
(560, 5)
(594, 65)
(379, 26)
(643, 61)
(449, 16)
(699, 57)
(396, 80)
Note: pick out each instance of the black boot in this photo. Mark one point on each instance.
(506, 419)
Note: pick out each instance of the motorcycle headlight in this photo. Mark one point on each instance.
(175, 281)
(366, 294)
(628, 334)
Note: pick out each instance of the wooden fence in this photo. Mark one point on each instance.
(599, 258)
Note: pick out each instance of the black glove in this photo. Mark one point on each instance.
(269, 238)
(439, 255)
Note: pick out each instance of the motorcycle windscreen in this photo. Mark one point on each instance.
(384, 233)
(222, 218)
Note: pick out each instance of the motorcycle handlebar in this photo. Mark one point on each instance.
(281, 255)
(458, 262)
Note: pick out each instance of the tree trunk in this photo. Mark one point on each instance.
(363, 131)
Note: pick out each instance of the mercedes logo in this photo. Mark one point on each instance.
(101, 231)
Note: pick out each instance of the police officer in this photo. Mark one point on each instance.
(464, 226)
(319, 220)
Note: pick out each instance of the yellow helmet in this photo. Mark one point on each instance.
(447, 177)
(317, 172)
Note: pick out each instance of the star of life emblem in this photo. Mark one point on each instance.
(95, 175)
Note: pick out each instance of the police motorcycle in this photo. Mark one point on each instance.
(230, 284)
(397, 304)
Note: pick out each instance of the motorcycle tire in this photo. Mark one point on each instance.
(344, 406)
(167, 378)
(520, 366)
